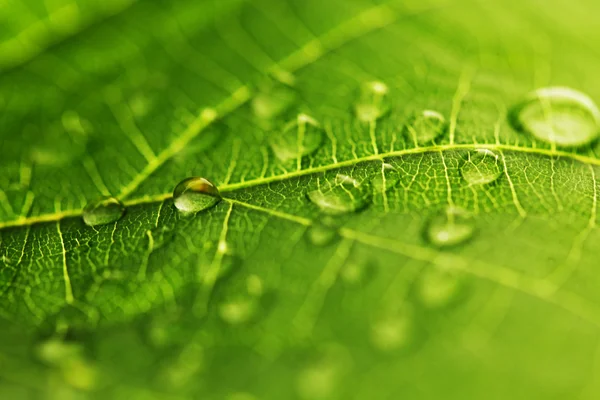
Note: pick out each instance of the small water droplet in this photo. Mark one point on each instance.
(450, 227)
(69, 359)
(57, 146)
(343, 196)
(273, 101)
(426, 126)
(238, 311)
(373, 102)
(140, 105)
(322, 377)
(55, 351)
(299, 138)
(185, 368)
(557, 115)
(394, 331)
(481, 167)
(321, 234)
(437, 288)
(386, 179)
(208, 115)
(254, 286)
(103, 211)
(356, 273)
(195, 194)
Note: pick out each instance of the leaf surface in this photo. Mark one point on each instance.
(315, 276)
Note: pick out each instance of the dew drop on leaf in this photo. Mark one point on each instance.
(386, 179)
(254, 286)
(299, 138)
(450, 227)
(344, 195)
(394, 331)
(481, 167)
(356, 273)
(238, 311)
(273, 101)
(321, 234)
(426, 126)
(438, 288)
(69, 360)
(557, 115)
(195, 194)
(103, 210)
(373, 102)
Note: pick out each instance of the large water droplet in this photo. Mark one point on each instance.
(426, 126)
(195, 194)
(342, 196)
(481, 167)
(373, 102)
(103, 211)
(386, 179)
(299, 138)
(273, 101)
(558, 115)
(450, 227)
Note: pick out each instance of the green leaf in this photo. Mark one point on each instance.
(384, 229)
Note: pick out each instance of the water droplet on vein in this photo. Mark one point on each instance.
(103, 210)
(342, 196)
(195, 194)
(386, 179)
(481, 166)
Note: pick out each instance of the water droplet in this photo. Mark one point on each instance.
(254, 286)
(386, 179)
(343, 196)
(321, 234)
(55, 351)
(103, 211)
(185, 368)
(273, 101)
(57, 146)
(450, 227)
(482, 166)
(373, 102)
(394, 331)
(140, 105)
(356, 273)
(299, 138)
(69, 359)
(557, 115)
(426, 126)
(323, 376)
(238, 311)
(195, 194)
(437, 288)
